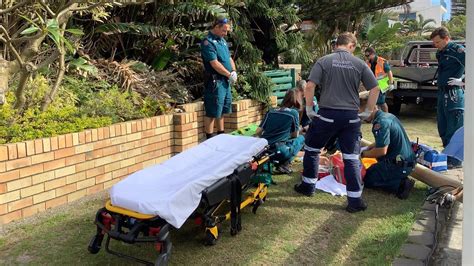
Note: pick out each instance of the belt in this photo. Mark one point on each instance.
(449, 87)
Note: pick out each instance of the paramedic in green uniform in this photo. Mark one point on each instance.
(451, 61)
(394, 154)
(280, 128)
(220, 73)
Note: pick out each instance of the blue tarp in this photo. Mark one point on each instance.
(455, 147)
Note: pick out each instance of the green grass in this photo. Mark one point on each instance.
(418, 123)
(287, 229)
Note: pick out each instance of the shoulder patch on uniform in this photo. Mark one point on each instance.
(461, 50)
(205, 42)
(376, 126)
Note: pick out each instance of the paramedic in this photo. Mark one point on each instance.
(220, 73)
(280, 128)
(451, 61)
(381, 69)
(394, 154)
(339, 75)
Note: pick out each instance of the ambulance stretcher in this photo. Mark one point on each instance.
(205, 183)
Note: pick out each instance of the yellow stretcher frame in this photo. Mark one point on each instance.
(254, 197)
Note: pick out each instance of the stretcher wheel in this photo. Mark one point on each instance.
(95, 243)
(164, 257)
(257, 204)
(210, 239)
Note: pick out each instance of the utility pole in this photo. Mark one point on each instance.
(468, 221)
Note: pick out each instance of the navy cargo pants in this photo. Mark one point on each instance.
(345, 125)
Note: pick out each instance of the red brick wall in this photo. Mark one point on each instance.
(44, 173)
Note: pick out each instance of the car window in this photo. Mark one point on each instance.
(423, 56)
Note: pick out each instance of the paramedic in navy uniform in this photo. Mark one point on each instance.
(339, 74)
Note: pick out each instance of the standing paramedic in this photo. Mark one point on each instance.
(381, 69)
(451, 61)
(339, 74)
(219, 74)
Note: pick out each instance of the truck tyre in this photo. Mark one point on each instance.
(395, 107)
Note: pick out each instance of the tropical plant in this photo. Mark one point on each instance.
(457, 27)
(35, 35)
(418, 27)
(376, 32)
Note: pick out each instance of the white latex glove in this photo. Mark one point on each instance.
(363, 149)
(365, 115)
(455, 82)
(233, 77)
(391, 87)
(310, 112)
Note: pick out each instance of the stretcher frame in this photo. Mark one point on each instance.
(113, 222)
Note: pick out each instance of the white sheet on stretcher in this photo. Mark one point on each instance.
(173, 188)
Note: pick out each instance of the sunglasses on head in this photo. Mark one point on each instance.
(223, 21)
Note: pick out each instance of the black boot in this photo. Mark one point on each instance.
(405, 188)
(210, 135)
(305, 189)
(355, 205)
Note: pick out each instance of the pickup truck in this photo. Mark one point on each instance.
(415, 74)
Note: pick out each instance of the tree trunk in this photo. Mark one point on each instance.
(48, 98)
(4, 72)
(20, 91)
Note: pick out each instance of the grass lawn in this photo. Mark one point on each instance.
(287, 229)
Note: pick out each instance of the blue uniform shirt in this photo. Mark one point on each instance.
(278, 124)
(214, 47)
(451, 61)
(388, 131)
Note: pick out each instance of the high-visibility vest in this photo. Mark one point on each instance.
(379, 72)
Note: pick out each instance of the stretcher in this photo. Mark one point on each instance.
(209, 183)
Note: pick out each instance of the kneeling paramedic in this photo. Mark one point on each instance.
(280, 128)
(339, 74)
(393, 151)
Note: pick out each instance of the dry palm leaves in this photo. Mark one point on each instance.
(137, 76)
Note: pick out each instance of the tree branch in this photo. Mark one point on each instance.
(49, 60)
(13, 8)
(46, 7)
(6, 39)
(49, 97)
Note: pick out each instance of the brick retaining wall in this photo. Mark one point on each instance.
(40, 174)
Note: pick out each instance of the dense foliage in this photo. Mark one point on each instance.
(68, 65)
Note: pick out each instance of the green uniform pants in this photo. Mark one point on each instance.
(450, 112)
(386, 175)
(286, 151)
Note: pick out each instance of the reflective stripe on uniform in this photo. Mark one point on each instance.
(325, 119)
(308, 148)
(309, 180)
(347, 156)
(354, 194)
(354, 121)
